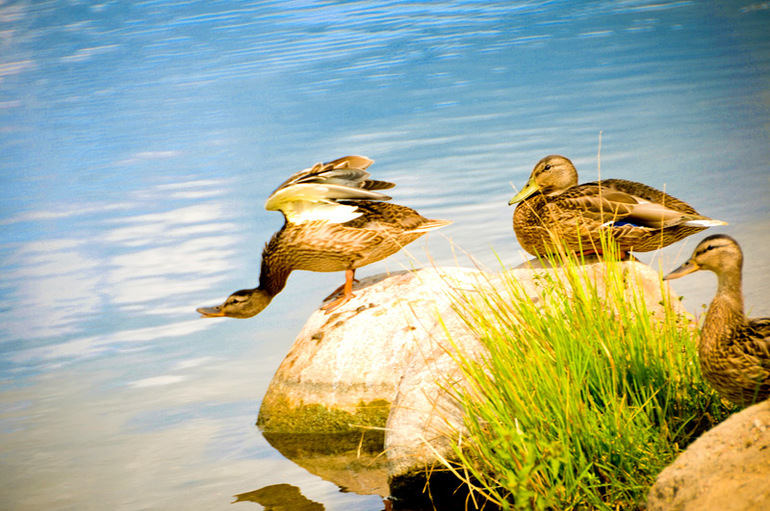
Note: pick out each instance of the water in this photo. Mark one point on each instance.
(138, 142)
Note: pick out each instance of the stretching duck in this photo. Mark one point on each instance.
(335, 220)
(554, 209)
(734, 351)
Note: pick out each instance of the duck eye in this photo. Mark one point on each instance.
(235, 299)
(547, 167)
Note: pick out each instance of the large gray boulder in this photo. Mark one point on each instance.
(726, 469)
(345, 367)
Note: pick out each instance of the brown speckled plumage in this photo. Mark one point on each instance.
(638, 217)
(734, 351)
(381, 231)
(333, 222)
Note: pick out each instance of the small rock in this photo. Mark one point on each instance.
(726, 469)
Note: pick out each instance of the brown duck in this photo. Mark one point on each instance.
(554, 209)
(335, 220)
(734, 351)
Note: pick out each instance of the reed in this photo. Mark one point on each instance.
(584, 396)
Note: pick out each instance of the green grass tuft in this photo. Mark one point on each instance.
(584, 396)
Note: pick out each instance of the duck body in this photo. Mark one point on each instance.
(734, 351)
(381, 231)
(334, 220)
(555, 210)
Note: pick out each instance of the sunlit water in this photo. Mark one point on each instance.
(139, 141)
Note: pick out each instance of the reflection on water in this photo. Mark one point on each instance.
(353, 461)
(138, 142)
(280, 497)
(140, 263)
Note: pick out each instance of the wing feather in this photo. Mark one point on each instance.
(313, 194)
(617, 204)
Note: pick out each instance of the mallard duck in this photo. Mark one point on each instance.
(335, 220)
(554, 209)
(734, 351)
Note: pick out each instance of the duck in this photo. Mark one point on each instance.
(335, 219)
(734, 352)
(554, 210)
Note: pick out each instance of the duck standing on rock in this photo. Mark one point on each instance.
(734, 351)
(555, 210)
(335, 220)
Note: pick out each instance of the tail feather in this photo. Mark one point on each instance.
(704, 222)
(431, 225)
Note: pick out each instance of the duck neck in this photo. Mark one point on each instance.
(275, 270)
(725, 311)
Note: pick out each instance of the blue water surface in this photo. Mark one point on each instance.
(139, 141)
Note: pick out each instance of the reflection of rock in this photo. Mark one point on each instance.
(726, 469)
(280, 497)
(385, 355)
(352, 461)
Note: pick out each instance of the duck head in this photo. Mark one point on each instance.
(718, 253)
(552, 175)
(245, 303)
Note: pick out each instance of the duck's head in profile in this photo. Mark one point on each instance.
(552, 175)
(242, 304)
(718, 253)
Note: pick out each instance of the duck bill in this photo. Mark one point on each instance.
(683, 270)
(211, 312)
(529, 189)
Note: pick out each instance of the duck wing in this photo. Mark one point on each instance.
(358, 163)
(393, 218)
(759, 332)
(313, 194)
(598, 204)
(756, 345)
(348, 171)
(616, 202)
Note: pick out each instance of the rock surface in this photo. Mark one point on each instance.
(386, 358)
(424, 418)
(726, 469)
(345, 367)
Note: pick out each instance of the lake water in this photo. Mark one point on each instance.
(139, 141)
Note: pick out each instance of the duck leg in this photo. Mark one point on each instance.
(347, 289)
(342, 287)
